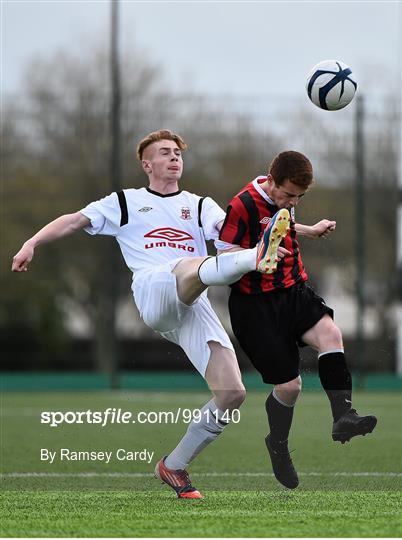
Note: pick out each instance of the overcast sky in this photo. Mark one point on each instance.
(237, 48)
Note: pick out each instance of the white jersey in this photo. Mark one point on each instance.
(154, 229)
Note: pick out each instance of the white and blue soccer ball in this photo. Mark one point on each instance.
(331, 85)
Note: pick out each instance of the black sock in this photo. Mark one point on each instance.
(337, 382)
(279, 418)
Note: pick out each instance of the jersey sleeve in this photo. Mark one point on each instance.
(104, 215)
(234, 227)
(211, 215)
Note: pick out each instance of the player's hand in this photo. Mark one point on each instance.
(22, 259)
(282, 252)
(323, 228)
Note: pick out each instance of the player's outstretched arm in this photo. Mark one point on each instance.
(62, 226)
(322, 228)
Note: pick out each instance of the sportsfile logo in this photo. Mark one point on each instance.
(171, 238)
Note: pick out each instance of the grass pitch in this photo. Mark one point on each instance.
(350, 490)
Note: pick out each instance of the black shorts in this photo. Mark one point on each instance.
(269, 327)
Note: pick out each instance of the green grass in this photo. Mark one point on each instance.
(350, 490)
(220, 514)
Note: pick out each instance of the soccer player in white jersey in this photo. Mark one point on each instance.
(161, 232)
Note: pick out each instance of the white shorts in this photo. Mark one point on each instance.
(191, 327)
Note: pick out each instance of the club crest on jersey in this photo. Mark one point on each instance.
(265, 220)
(185, 213)
(145, 209)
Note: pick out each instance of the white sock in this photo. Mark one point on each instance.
(227, 268)
(197, 437)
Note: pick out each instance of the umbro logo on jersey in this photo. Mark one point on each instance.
(171, 238)
(168, 233)
(145, 209)
(265, 220)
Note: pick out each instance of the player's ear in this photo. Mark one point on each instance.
(146, 165)
(270, 179)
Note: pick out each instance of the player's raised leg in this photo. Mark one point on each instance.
(194, 275)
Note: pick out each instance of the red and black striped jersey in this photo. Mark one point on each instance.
(247, 215)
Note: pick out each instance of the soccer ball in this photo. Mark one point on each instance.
(331, 85)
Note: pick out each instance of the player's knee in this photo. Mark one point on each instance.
(230, 399)
(336, 335)
(294, 388)
(331, 337)
(239, 395)
(290, 391)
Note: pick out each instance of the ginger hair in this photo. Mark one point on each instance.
(160, 135)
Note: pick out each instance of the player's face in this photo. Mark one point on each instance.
(162, 160)
(286, 195)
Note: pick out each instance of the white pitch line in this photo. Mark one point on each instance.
(211, 474)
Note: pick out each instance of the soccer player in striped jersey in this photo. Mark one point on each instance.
(284, 313)
(161, 232)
